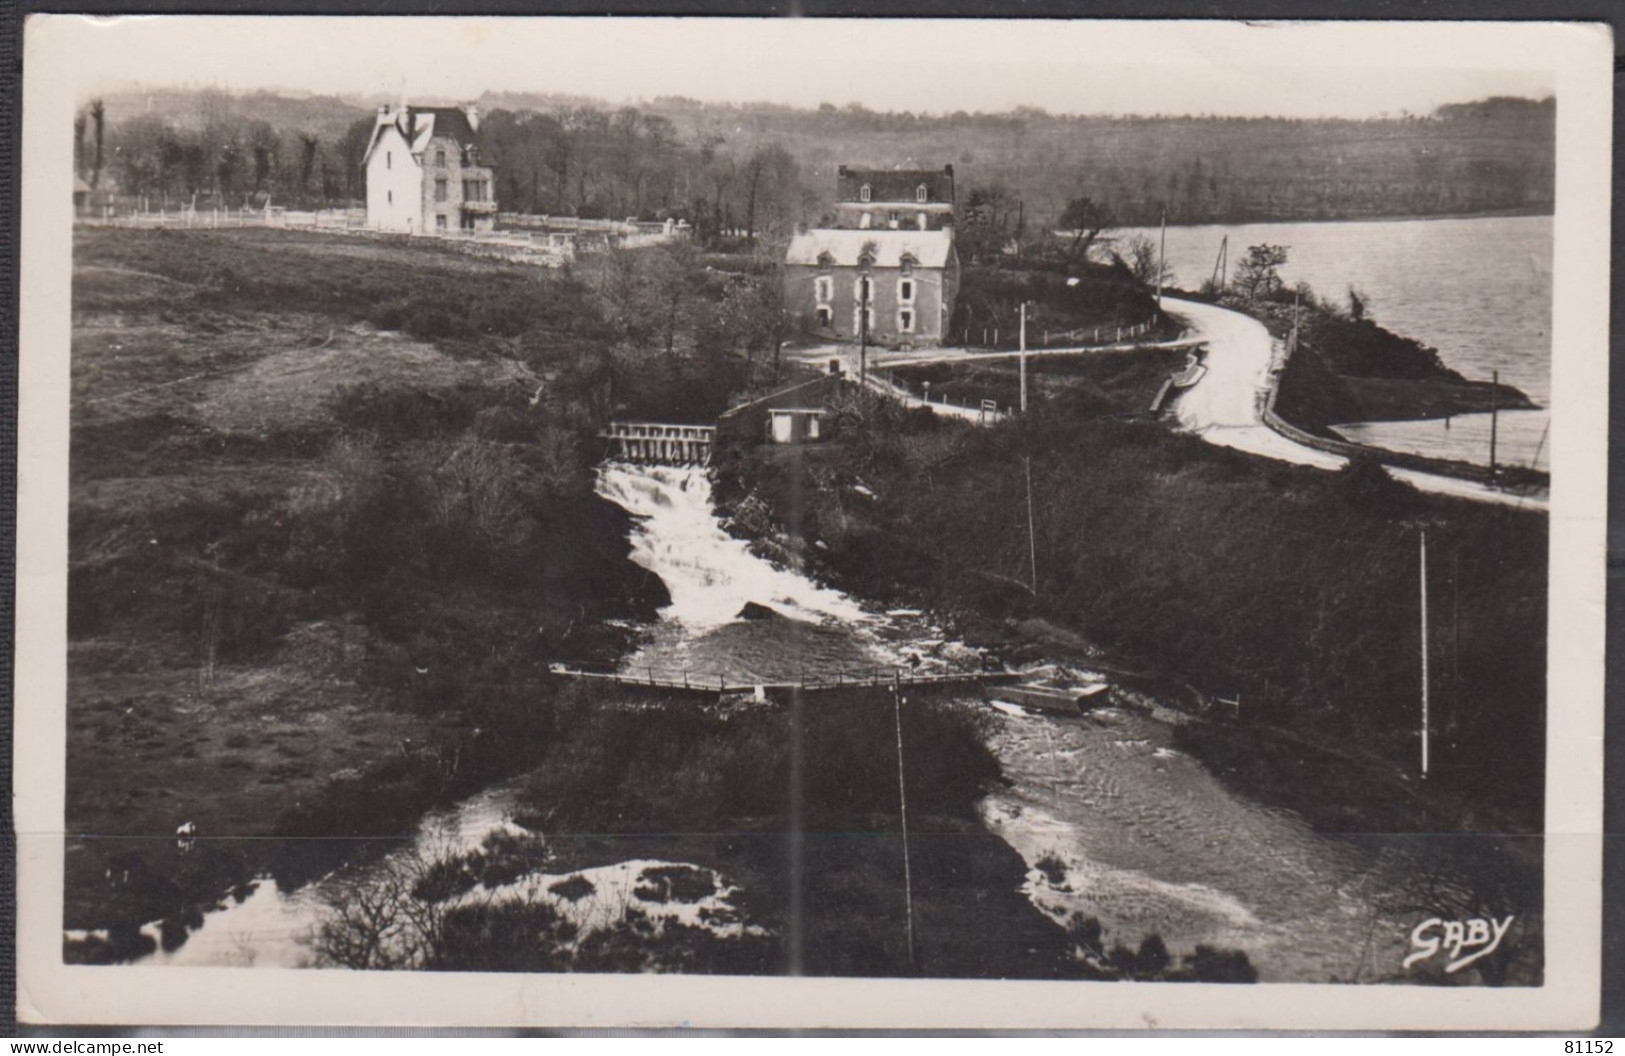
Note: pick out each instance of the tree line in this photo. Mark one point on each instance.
(577, 161)
(755, 171)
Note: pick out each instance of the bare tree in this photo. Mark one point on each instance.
(384, 917)
(309, 146)
(1085, 218)
(79, 143)
(98, 118)
(1258, 273)
(1143, 260)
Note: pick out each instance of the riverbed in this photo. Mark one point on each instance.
(1113, 820)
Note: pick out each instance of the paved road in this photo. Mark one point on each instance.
(819, 356)
(1226, 407)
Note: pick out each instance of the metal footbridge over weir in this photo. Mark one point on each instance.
(661, 443)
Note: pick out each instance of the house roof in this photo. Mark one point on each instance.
(931, 249)
(419, 124)
(895, 185)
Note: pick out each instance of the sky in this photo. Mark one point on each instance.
(934, 66)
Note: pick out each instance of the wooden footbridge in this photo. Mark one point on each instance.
(711, 685)
(660, 442)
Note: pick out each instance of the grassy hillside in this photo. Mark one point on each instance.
(1289, 588)
(331, 515)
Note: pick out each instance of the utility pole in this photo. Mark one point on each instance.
(1023, 357)
(1495, 406)
(1424, 585)
(902, 805)
(1032, 534)
(1162, 256)
(1292, 342)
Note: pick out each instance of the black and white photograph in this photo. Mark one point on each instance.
(593, 522)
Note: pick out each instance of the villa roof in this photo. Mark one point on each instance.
(420, 124)
(930, 249)
(895, 185)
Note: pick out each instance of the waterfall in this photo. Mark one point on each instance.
(709, 574)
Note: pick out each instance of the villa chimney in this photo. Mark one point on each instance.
(473, 112)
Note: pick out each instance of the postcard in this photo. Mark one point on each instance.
(808, 523)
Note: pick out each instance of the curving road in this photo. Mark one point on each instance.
(1226, 407)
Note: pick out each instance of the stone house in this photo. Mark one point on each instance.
(424, 174)
(894, 199)
(906, 279)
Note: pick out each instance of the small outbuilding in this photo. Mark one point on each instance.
(796, 425)
(796, 415)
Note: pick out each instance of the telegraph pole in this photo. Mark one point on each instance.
(1032, 533)
(1495, 406)
(902, 806)
(1424, 586)
(1162, 256)
(1023, 357)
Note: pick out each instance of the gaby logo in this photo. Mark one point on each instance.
(1462, 941)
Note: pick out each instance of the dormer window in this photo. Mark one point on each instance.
(907, 262)
(440, 158)
(826, 259)
(920, 193)
(863, 193)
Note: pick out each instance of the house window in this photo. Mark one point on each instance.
(905, 291)
(862, 319)
(440, 221)
(825, 317)
(390, 197)
(389, 159)
(863, 193)
(864, 290)
(920, 193)
(865, 220)
(824, 289)
(905, 321)
(440, 189)
(922, 221)
(440, 161)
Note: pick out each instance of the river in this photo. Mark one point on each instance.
(1479, 290)
(1112, 820)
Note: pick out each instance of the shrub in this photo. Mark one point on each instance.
(1053, 868)
(574, 888)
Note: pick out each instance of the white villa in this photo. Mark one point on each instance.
(424, 174)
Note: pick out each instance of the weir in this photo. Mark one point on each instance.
(711, 685)
(660, 442)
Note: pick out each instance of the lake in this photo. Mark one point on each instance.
(1479, 290)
